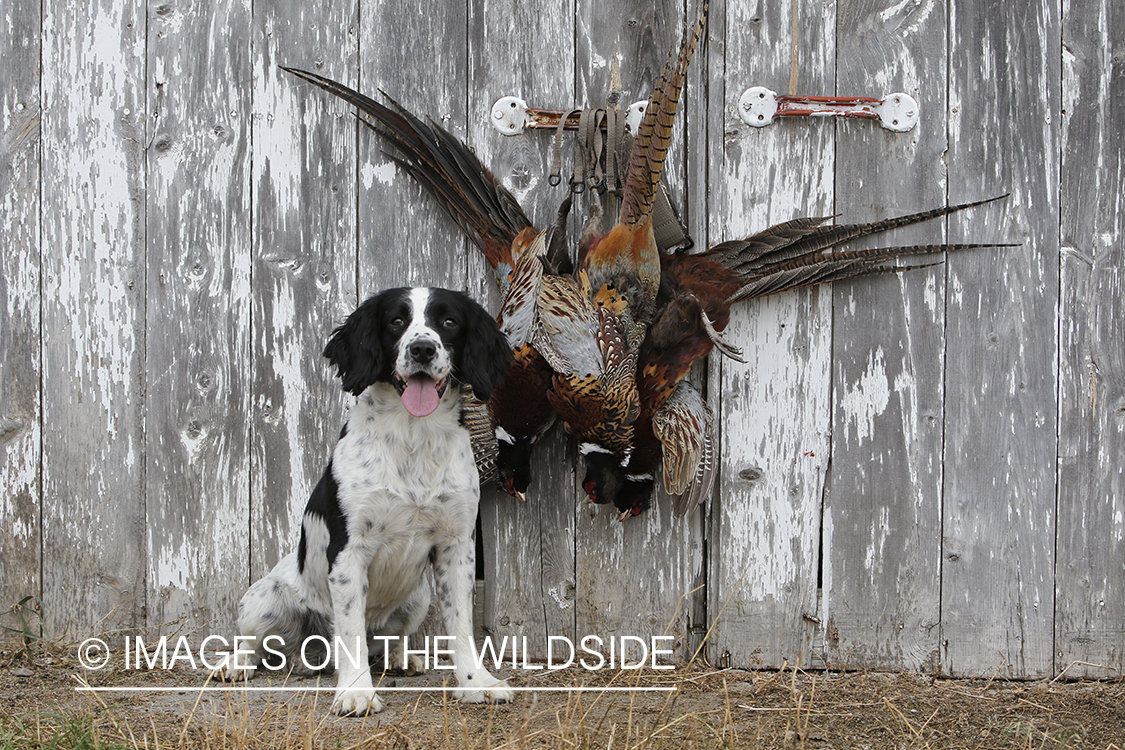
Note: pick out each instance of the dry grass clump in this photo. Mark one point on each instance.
(787, 709)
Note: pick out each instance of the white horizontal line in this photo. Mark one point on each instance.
(188, 689)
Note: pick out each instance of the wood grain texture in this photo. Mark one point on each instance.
(93, 193)
(773, 411)
(19, 316)
(644, 36)
(696, 106)
(529, 584)
(1090, 570)
(1002, 342)
(882, 515)
(304, 272)
(528, 549)
(198, 314)
(638, 578)
(417, 56)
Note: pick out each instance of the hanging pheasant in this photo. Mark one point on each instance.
(616, 290)
(693, 308)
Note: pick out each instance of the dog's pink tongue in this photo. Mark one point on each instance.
(420, 396)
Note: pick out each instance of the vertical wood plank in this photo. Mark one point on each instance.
(882, 524)
(617, 593)
(418, 56)
(638, 578)
(1090, 571)
(529, 584)
(19, 316)
(153, 295)
(304, 268)
(773, 411)
(528, 549)
(198, 314)
(643, 36)
(93, 193)
(1001, 370)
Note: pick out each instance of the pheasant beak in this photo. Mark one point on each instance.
(510, 487)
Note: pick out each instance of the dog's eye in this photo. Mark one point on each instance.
(396, 322)
(449, 323)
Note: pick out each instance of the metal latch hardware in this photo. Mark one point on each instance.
(758, 106)
(511, 116)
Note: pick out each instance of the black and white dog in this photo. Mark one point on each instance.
(401, 490)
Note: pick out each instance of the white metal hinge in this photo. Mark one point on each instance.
(759, 106)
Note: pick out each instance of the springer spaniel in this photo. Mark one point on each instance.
(401, 490)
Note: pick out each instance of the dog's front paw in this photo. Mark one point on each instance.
(231, 671)
(486, 689)
(414, 665)
(356, 702)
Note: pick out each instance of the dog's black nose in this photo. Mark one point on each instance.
(422, 351)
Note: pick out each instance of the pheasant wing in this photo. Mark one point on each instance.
(519, 312)
(477, 419)
(567, 329)
(684, 426)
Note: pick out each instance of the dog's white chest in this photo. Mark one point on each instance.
(415, 460)
(406, 484)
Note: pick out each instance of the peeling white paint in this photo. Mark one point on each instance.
(174, 566)
(384, 173)
(867, 399)
(923, 7)
(958, 296)
(877, 542)
(775, 413)
(525, 193)
(930, 298)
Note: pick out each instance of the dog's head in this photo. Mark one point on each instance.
(417, 339)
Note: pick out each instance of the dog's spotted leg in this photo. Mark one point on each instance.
(355, 694)
(454, 567)
(403, 623)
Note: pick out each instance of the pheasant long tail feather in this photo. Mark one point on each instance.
(806, 237)
(447, 168)
(646, 161)
(845, 265)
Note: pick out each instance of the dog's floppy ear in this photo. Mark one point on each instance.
(487, 354)
(354, 347)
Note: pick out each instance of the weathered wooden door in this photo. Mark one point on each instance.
(917, 472)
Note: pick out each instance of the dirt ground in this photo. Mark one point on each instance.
(41, 708)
